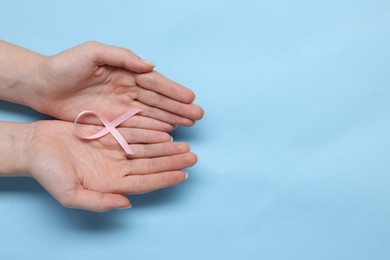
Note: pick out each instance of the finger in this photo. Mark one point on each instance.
(95, 201)
(136, 121)
(157, 82)
(158, 150)
(131, 135)
(143, 122)
(155, 99)
(161, 164)
(162, 115)
(143, 136)
(145, 183)
(119, 57)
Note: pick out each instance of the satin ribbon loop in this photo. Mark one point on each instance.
(110, 127)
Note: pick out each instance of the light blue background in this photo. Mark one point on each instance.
(294, 148)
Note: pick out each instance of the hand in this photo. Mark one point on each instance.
(105, 79)
(94, 175)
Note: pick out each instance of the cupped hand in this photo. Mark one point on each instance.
(94, 175)
(108, 79)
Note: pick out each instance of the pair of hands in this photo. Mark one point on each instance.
(94, 175)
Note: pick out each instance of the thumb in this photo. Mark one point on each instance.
(95, 201)
(118, 57)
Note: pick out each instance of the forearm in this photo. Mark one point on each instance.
(14, 137)
(19, 69)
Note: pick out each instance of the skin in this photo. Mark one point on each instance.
(92, 175)
(94, 76)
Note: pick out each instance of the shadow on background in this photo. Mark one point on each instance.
(188, 134)
(70, 218)
(21, 111)
(158, 197)
(82, 220)
(20, 184)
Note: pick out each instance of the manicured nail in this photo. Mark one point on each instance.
(148, 62)
(186, 173)
(129, 207)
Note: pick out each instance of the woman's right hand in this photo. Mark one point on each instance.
(94, 175)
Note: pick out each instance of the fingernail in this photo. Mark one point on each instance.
(148, 62)
(186, 173)
(171, 139)
(129, 207)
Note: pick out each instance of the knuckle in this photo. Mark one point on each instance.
(156, 99)
(94, 48)
(92, 44)
(146, 80)
(143, 151)
(139, 184)
(150, 166)
(151, 110)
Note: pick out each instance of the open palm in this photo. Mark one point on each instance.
(94, 175)
(112, 80)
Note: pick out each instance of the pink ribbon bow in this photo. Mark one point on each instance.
(110, 127)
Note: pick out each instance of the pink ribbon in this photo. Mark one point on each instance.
(110, 127)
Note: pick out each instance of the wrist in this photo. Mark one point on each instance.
(26, 87)
(15, 139)
(19, 74)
